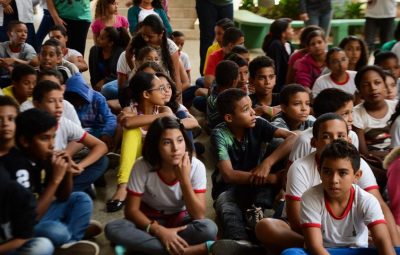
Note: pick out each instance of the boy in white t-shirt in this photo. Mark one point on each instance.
(59, 33)
(302, 175)
(330, 100)
(337, 213)
(70, 137)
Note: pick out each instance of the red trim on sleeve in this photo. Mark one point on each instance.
(83, 137)
(311, 225)
(133, 193)
(376, 223)
(348, 207)
(291, 197)
(199, 191)
(371, 188)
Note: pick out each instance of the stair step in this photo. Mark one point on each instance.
(191, 34)
(175, 12)
(180, 23)
(182, 4)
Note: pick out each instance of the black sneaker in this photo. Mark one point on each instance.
(236, 247)
(253, 216)
(80, 247)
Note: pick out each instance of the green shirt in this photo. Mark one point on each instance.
(74, 9)
(244, 155)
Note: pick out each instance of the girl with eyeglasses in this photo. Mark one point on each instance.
(148, 95)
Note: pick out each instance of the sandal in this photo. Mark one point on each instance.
(114, 205)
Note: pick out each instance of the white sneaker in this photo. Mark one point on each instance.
(94, 229)
(78, 248)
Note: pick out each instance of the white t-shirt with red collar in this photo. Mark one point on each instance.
(302, 146)
(325, 82)
(159, 194)
(303, 174)
(348, 230)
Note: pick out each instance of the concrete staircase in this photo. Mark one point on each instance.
(183, 16)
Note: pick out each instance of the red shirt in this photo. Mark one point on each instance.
(213, 61)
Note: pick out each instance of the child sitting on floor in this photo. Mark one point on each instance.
(23, 79)
(15, 51)
(262, 77)
(242, 172)
(337, 214)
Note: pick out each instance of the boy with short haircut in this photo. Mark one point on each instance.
(241, 173)
(23, 79)
(59, 33)
(50, 57)
(48, 96)
(226, 77)
(295, 106)
(92, 108)
(179, 39)
(17, 220)
(262, 81)
(302, 175)
(220, 27)
(330, 100)
(53, 75)
(337, 213)
(15, 51)
(388, 61)
(232, 36)
(62, 215)
(243, 78)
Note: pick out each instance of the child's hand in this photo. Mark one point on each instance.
(182, 170)
(169, 237)
(128, 3)
(259, 175)
(60, 163)
(8, 9)
(7, 61)
(75, 168)
(124, 114)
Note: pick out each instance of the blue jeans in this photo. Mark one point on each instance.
(83, 181)
(125, 233)
(208, 14)
(337, 251)
(110, 90)
(35, 246)
(200, 103)
(322, 19)
(46, 23)
(66, 221)
(232, 203)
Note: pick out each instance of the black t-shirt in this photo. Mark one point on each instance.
(29, 174)
(17, 209)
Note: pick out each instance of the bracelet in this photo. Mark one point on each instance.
(149, 226)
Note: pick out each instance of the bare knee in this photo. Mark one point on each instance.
(267, 229)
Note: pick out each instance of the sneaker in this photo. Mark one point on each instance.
(80, 247)
(113, 160)
(235, 247)
(253, 216)
(94, 229)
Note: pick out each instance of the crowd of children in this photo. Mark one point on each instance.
(305, 143)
